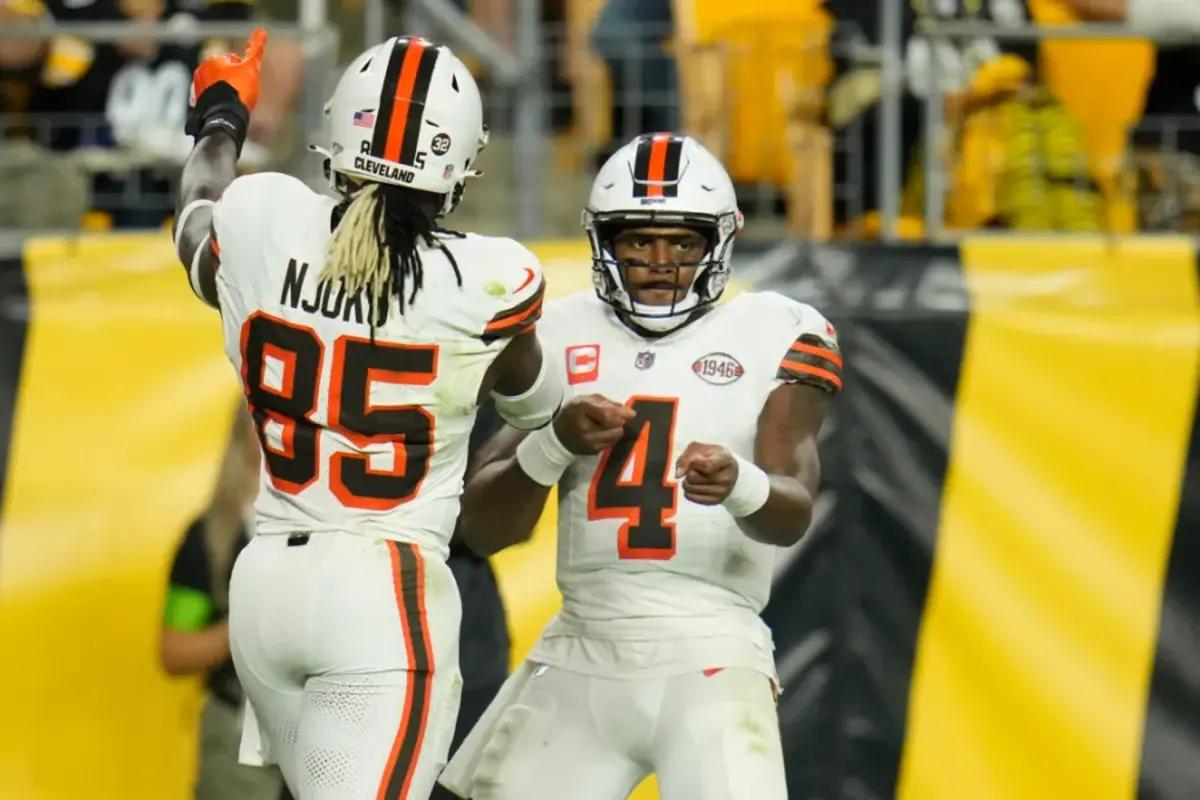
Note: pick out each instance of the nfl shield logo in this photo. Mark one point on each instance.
(645, 360)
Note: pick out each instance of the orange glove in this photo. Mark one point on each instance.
(225, 91)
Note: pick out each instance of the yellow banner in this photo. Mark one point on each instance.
(121, 416)
(1070, 433)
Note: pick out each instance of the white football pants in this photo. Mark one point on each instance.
(347, 647)
(553, 734)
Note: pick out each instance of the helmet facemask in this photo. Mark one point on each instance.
(609, 273)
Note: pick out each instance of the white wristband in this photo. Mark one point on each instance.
(195, 205)
(538, 404)
(543, 457)
(750, 490)
(194, 269)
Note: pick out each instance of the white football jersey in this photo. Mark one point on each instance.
(637, 561)
(359, 434)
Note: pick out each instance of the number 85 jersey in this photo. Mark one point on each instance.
(363, 429)
(636, 559)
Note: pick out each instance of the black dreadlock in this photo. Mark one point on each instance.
(378, 230)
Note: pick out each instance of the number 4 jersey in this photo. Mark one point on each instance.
(679, 583)
(360, 432)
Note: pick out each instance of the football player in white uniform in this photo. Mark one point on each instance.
(673, 497)
(365, 336)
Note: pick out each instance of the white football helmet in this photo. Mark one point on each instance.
(406, 112)
(669, 180)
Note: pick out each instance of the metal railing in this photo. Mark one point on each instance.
(542, 154)
(517, 73)
(940, 33)
(99, 153)
(548, 115)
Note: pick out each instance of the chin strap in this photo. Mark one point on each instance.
(630, 321)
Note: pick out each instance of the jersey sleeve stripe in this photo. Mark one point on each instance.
(799, 372)
(513, 326)
(519, 329)
(510, 321)
(799, 349)
(535, 309)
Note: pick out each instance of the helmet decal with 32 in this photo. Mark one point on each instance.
(406, 112)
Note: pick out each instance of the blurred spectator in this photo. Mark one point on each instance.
(130, 95)
(195, 632)
(752, 81)
(26, 170)
(484, 645)
(855, 94)
(630, 36)
(1034, 134)
(1102, 85)
(1168, 143)
(1017, 159)
(20, 66)
(273, 123)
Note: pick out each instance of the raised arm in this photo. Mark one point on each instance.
(225, 89)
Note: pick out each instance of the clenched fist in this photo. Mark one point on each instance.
(709, 472)
(591, 423)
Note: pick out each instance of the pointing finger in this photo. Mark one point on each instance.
(256, 44)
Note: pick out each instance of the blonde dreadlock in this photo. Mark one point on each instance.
(356, 254)
(375, 244)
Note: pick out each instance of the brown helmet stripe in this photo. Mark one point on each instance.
(656, 166)
(391, 79)
(641, 165)
(671, 167)
(402, 100)
(416, 106)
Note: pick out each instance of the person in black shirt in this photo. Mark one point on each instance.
(195, 633)
(484, 644)
(630, 35)
(130, 95)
